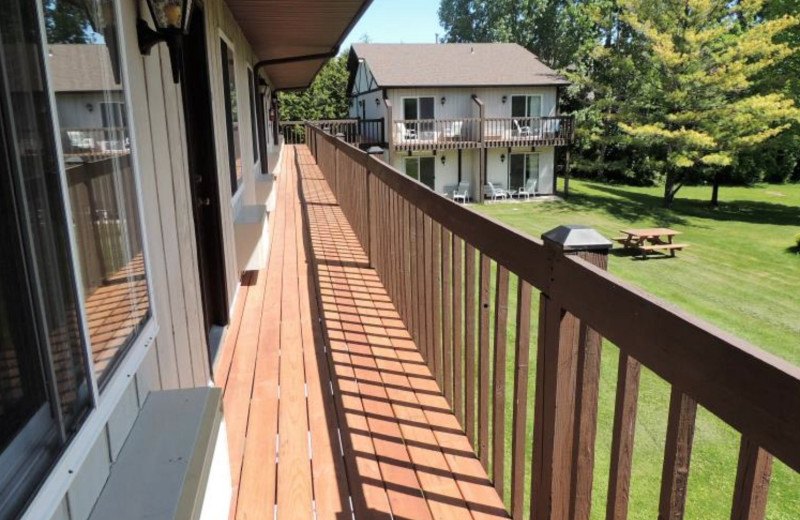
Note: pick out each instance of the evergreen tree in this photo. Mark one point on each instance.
(66, 22)
(699, 105)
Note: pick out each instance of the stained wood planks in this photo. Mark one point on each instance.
(330, 404)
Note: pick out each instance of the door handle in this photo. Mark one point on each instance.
(204, 201)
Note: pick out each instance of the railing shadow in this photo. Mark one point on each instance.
(366, 357)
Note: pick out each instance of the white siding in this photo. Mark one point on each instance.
(459, 102)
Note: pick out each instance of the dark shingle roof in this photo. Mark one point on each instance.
(453, 65)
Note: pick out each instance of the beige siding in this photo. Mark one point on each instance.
(178, 355)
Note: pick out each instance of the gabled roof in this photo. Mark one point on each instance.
(81, 68)
(452, 65)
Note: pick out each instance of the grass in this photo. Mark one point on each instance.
(741, 274)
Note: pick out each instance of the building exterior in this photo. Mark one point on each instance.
(455, 113)
(131, 206)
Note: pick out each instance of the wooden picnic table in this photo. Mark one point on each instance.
(650, 240)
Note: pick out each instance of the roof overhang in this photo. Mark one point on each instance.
(294, 39)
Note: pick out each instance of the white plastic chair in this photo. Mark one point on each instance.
(529, 190)
(453, 130)
(522, 131)
(461, 192)
(494, 193)
(406, 133)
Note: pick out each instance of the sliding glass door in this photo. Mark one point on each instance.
(523, 171)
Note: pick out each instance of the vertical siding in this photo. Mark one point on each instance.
(459, 102)
(178, 356)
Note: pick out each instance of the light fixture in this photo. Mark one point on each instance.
(263, 87)
(444, 100)
(444, 159)
(503, 158)
(90, 107)
(377, 102)
(505, 99)
(171, 19)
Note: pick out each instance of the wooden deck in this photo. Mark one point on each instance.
(331, 412)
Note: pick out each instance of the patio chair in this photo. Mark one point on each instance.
(529, 190)
(407, 133)
(522, 131)
(492, 192)
(461, 192)
(452, 131)
(553, 127)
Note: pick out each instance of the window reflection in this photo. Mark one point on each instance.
(95, 138)
(232, 115)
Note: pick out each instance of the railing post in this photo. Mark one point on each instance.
(567, 377)
(376, 152)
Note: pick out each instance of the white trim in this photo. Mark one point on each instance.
(94, 391)
(527, 106)
(419, 106)
(57, 483)
(232, 48)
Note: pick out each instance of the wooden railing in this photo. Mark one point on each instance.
(95, 142)
(106, 227)
(355, 131)
(523, 131)
(450, 273)
(436, 133)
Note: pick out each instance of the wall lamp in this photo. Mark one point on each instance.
(263, 87)
(503, 158)
(444, 100)
(171, 19)
(377, 102)
(444, 159)
(505, 99)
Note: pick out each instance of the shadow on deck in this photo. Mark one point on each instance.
(330, 408)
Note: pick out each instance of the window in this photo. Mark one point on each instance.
(231, 116)
(253, 112)
(48, 366)
(422, 169)
(419, 108)
(526, 106)
(522, 168)
(99, 176)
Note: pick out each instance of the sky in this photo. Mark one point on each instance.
(398, 21)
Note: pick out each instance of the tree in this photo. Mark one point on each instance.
(326, 98)
(66, 22)
(554, 30)
(699, 106)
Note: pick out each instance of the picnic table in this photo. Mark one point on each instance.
(651, 240)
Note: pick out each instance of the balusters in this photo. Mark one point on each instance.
(752, 482)
(677, 455)
(499, 382)
(519, 440)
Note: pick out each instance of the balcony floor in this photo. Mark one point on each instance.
(331, 412)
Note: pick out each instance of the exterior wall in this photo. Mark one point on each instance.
(74, 113)
(172, 353)
(459, 102)
(445, 175)
(365, 89)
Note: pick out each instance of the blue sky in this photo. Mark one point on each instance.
(398, 21)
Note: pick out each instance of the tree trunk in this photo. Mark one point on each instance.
(669, 194)
(715, 191)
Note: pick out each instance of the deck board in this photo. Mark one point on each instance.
(318, 364)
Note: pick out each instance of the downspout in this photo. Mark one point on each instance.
(482, 149)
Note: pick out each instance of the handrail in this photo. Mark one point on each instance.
(414, 238)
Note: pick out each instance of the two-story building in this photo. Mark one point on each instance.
(462, 113)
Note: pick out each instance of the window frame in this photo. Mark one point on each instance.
(47, 498)
(237, 187)
(418, 100)
(527, 105)
(418, 159)
(251, 85)
(527, 156)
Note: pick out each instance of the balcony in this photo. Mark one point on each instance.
(404, 357)
(466, 133)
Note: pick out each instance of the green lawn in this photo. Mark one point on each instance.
(740, 274)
